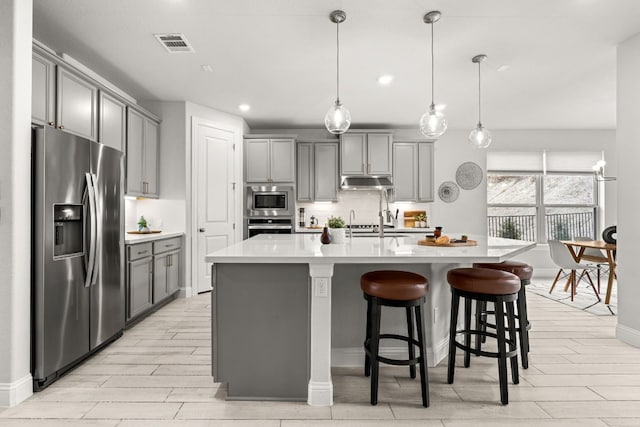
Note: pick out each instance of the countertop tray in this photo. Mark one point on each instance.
(144, 232)
(453, 244)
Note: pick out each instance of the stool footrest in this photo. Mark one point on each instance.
(397, 362)
(473, 350)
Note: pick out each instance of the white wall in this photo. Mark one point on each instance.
(15, 208)
(628, 144)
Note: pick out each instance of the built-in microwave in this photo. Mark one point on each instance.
(270, 200)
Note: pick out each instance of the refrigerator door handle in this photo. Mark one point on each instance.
(96, 236)
(92, 230)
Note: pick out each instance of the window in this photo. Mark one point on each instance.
(535, 206)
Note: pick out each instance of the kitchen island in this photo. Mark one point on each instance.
(285, 306)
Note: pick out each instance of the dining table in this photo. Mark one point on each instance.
(577, 249)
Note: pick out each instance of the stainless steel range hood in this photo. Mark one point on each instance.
(366, 183)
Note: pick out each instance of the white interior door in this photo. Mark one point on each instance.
(215, 196)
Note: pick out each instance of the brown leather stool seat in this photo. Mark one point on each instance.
(484, 281)
(390, 288)
(524, 271)
(394, 285)
(485, 285)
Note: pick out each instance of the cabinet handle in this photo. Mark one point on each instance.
(142, 252)
(169, 246)
(61, 127)
(362, 167)
(145, 187)
(368, 167)
(202, 230)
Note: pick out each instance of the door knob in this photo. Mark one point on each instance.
(202, 230)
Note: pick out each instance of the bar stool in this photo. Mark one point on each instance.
(501, 288)
(395, 289)
(524, 272)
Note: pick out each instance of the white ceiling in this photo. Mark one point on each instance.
(279, 57)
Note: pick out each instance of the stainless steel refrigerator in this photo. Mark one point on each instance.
(78, 251)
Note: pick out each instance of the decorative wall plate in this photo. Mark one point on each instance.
(469, 175)
(448, 191)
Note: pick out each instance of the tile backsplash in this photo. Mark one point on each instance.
(161, 214)
(364, 203)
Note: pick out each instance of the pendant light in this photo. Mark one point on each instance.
(338, 118)
(432, 123)
(480, 137)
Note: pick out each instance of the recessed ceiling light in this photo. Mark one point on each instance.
(206, 67)
(244, 107)
(385, 79)
(504, 67)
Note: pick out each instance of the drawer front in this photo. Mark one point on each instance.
(138, 251)
(165, 245)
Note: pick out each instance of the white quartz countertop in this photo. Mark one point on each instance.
(386, 230)
(141, 238)
(307, 248)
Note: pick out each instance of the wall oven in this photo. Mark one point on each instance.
(280, 225)
(270, 200)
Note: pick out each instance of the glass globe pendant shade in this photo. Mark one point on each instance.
(338, 119)
(480, 137)
(433, 123)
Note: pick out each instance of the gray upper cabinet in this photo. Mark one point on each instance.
(142, 155)
(353, 149)
(113, 121)
(304, 172)
(317, 172)
(413, 171)
(43, 91)
(77, 101)
(425, 172)
(269, 159)
(326, 171)
(366, 153)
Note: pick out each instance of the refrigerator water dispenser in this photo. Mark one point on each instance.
(68, 239)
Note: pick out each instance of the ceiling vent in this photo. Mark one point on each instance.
(174, 43)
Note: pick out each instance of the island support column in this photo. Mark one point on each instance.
(320, 386)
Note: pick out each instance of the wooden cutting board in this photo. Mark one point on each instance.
(427, 242)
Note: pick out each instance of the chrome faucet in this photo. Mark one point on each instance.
(380, 213)
(352, 215)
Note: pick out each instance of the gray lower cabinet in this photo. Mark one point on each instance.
(154, 273)
(139, 279)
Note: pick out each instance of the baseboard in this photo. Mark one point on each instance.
(629, 335)
(11, 394)
(185, 292)
(545, 273)
(350, 357)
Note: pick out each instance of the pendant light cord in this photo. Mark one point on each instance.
(479, 96)
(432, 70)
(337, 63)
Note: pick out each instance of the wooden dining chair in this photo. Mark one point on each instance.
(561, 256)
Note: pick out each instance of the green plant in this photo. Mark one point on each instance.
(336, 222)
(420, 217)
(509, 230)
(142, 223)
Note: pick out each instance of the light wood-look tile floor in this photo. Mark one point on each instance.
(158, 374)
